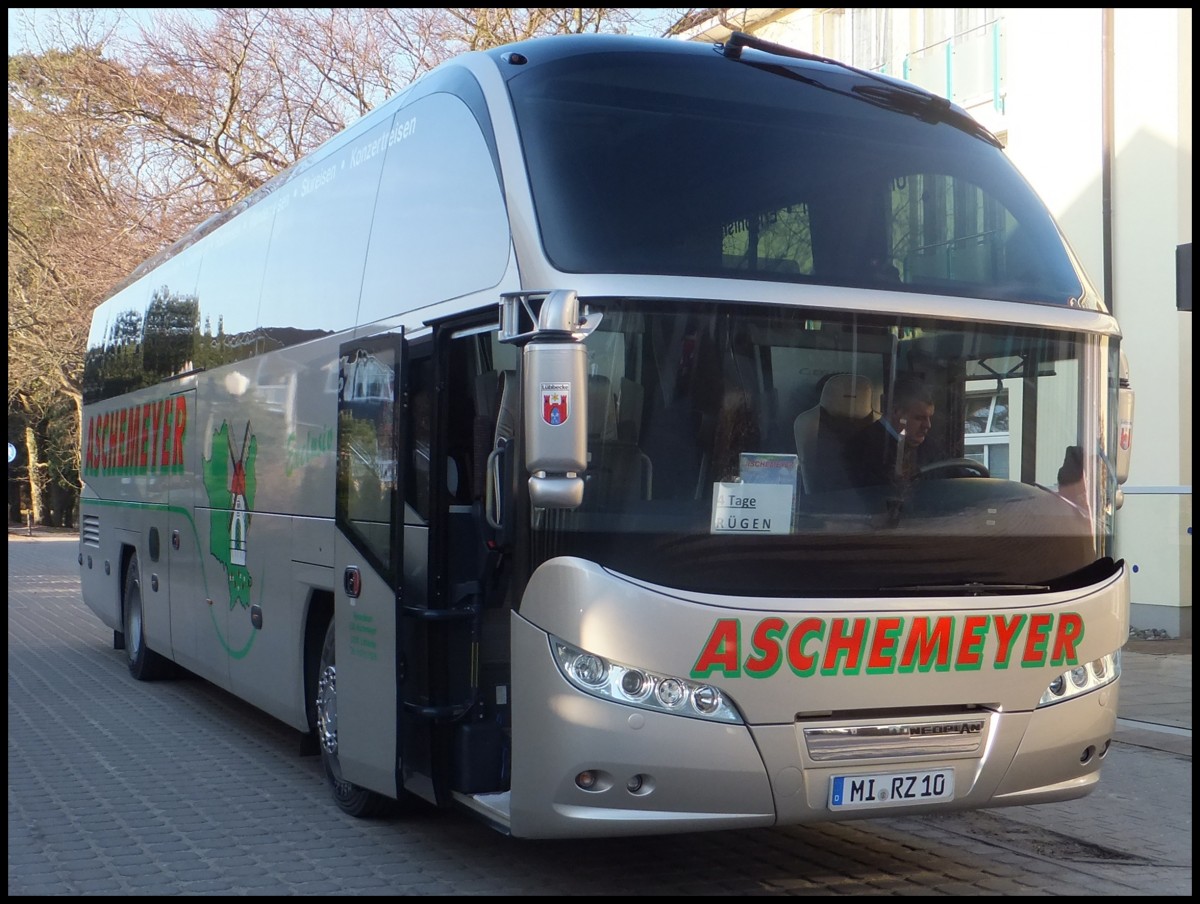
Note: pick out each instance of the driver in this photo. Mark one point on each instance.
(886, 451)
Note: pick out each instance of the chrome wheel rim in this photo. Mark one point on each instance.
(133, 622)
(327, 710)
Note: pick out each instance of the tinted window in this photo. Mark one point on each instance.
(440, 227)
(783, 411)
(319, 238)
(699, 165)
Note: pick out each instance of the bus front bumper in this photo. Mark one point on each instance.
(586, 767)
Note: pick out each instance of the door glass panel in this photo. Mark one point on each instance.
(368, 444)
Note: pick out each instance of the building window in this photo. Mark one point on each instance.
(871, 33)
(986, 431)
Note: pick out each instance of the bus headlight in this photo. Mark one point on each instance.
(1083, 679)
(633, 686)
(591, 671)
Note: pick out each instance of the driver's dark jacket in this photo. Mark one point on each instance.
(871, 458)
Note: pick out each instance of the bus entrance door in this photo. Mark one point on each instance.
(361, 668)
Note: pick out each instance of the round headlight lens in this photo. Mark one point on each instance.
(1079, 676)
(591, 670)
(671, 693)
(1058, 686)
(706, 699)
(635, 684)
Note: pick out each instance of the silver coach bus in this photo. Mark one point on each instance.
(510, 448)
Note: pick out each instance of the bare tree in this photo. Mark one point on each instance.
(73, 230)
(120, 141)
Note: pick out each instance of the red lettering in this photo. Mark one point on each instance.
(1070, 632)
(970, 646)
(144, 427)
(925, 642)
(132, 435)
(1006, 633)
(1036, 639)
(766, 657)
(803, 663)
(720, 651)
(89, 463)
(156, 415)
(164, 449)
(883, 645)
(850, 645)
(123, 436)
(180, 425)
(96, 443)
(111, 440)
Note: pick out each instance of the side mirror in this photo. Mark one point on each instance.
(1124, 422)
(555, 397)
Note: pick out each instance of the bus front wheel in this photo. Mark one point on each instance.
(352, 799)
(144, 663)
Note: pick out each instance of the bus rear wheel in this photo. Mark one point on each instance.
(352, 799)
(144, 663)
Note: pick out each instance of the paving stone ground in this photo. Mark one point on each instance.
(119, 787)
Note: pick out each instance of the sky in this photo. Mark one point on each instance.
(18, 38)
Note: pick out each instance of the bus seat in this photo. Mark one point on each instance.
(847, 405)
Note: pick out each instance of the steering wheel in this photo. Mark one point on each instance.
(934, 468)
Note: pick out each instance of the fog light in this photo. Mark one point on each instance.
(586, 780)
(634, 784)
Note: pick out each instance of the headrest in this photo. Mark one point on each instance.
(848, 395)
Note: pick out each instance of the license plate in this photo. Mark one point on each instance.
(890, 789)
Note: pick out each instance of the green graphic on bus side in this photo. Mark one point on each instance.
(230, 482)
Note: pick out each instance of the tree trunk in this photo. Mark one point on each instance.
(35, 467)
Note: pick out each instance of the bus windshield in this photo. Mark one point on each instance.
(726, 441)
(671, 164)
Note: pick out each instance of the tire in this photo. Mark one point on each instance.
(358, 802)
(144, 664)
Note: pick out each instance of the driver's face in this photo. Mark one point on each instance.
(915, 421)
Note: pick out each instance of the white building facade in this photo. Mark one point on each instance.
(1094, 106)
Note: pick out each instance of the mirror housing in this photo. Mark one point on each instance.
(1124, 422)
(555, 402)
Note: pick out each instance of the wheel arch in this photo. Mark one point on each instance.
(317, 617)
(127, 552)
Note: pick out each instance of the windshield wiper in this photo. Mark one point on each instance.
(898, 97)
(926, 107)
(732, 48)
(970, 588)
